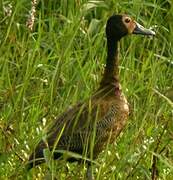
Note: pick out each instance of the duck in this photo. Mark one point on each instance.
(87, 127)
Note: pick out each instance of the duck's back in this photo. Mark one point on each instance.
(94, 123)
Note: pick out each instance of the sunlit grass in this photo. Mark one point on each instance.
(61, 62)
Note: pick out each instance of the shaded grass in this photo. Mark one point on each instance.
(61, 62)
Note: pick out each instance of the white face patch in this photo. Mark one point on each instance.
(129, 24)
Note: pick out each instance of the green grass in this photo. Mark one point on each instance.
(61, 62)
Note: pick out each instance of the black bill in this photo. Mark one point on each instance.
(141, 30)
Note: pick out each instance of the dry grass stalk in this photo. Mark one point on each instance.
(31, 19)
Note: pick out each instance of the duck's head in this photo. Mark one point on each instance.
(122, 25)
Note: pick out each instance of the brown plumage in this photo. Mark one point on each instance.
(101, 118)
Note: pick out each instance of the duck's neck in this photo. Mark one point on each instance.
(111, 73)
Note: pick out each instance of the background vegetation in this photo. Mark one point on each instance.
(61, 61)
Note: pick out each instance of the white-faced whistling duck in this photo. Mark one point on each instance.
(87, 127)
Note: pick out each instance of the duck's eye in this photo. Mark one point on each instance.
(127, 20)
